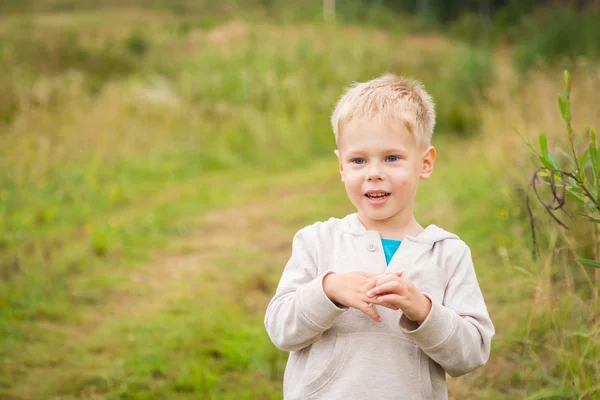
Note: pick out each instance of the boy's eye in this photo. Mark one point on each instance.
(358, 161)
(393, 158)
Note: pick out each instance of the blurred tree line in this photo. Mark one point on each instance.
(542, 32)
(447, 11)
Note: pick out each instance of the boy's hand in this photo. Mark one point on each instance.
(349, 289)
(394, 291)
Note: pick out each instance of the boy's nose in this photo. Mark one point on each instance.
(374, 172)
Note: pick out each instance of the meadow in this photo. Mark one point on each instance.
(155, 166)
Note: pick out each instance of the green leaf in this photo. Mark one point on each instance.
(593, 137)
(549, 393)
(590, 205)
(582, 161)
(527, 143)
(594, 163)
(572, 181)
(591, 263)
(557, 178)
(544, 145)
(568, 157)
(576, 199)
(575, 189)
(553, 160)
(591, 218)
(546, 162)
(565, 106)
(567, 77)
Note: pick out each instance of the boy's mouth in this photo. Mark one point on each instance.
(377, 195)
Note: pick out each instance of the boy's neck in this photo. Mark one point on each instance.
(397, 227)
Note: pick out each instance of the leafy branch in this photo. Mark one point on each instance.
(580, 184)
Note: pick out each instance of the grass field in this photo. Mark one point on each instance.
(151, 181)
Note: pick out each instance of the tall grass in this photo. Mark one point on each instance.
(557, 340)
(199, 102)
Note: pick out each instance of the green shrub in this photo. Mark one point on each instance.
(556, 36)
(459, 93)
(136, 45)
(579, 180)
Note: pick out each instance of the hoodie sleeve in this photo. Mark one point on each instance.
(300, 311)
(457, 333)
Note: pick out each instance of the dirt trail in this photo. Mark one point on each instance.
(149, 290)
(170, 277)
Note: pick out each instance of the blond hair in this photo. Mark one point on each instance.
(389, 98)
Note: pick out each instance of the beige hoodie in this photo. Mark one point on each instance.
(340, 353)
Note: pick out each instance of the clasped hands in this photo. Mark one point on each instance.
(360, 290)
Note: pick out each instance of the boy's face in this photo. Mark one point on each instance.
(381, 165)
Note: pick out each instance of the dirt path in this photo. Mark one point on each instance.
(148, 291)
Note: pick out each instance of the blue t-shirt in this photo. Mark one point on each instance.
(389, 248)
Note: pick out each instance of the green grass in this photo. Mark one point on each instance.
(179, 339)
(146, 215)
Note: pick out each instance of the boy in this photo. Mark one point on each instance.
(374, 306)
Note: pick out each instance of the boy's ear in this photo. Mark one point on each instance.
(340, 165)
(428, 162)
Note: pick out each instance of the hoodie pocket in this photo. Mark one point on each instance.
(321, 376)
(364, 365)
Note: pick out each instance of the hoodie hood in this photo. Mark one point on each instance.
(429, 235)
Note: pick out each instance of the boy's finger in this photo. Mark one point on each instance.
(391, 306)
(370, 311)
(392, 276)
(368, 274)
(385, 279)
(368, 285)
(372, 281)
(395, 273)
(395, 286)
(388, 301)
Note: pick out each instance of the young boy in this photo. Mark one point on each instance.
(373, 305)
